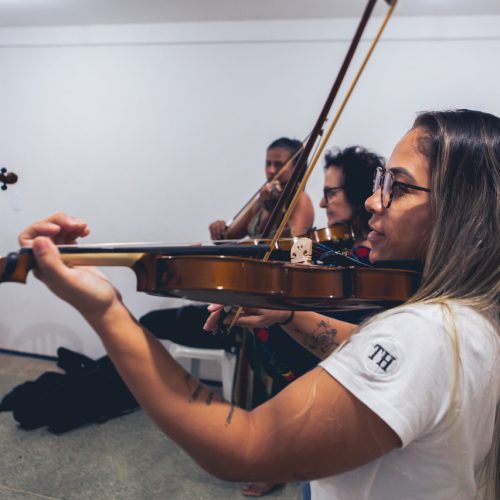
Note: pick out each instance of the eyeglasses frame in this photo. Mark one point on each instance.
(327, 190)
(384, 172)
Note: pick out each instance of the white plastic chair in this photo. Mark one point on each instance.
(226, 360)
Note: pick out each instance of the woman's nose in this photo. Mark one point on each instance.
(374, 203)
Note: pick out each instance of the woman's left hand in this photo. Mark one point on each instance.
(85, 288)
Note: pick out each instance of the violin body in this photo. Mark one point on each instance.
(338, 234)
(278, 285)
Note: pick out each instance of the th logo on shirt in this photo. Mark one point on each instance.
(382, 358)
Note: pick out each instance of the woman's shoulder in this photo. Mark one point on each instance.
(304, 202)
(423, 325)
(445, 312)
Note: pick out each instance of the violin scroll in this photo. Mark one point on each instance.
(7, 178)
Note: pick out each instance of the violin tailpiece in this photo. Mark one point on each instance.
(301, 252)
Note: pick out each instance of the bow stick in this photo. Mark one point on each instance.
(301, 172)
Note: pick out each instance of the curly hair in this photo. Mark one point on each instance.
(358, 166)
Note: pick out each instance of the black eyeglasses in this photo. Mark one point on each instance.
(329, 193)
(385, 181)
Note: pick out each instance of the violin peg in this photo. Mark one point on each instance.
(6, 178)
(301, 252)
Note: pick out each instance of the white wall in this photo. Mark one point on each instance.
(151, 132)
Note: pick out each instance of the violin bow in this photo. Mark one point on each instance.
(281, 206)
(326, 136)
(302, 172)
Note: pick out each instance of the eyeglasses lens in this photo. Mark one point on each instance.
(383, 180)
(387, 189)
(377, 179)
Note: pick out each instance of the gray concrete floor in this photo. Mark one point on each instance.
(126, 458)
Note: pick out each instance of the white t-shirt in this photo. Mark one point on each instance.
(402, 367)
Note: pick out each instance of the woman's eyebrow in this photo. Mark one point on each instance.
(403, 171)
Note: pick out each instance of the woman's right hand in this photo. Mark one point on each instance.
(271, 191)
(249, 317)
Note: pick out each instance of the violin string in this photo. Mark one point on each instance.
(163, 244)
(325, 139)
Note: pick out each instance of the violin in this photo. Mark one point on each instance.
(7, 178)
(16, 266)
(337, 235)
(232, 278)
(236, 279)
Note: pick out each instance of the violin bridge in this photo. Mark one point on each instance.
(301, 252)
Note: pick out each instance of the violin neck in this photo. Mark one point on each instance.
(16, 266)
(105, 260)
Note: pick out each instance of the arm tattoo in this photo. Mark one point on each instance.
(322, 339)
(210, 398)
(195, 394)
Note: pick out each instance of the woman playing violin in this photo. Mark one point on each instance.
(280, 158)
(407, 407)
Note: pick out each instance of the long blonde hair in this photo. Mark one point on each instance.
(462, 260)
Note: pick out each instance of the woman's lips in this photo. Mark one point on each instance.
(375, 236)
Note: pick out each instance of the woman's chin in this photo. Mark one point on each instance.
(377, 254)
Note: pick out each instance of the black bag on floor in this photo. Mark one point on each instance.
(89, 391)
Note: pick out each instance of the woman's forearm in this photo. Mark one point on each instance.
(211, 430)
(319, 334)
